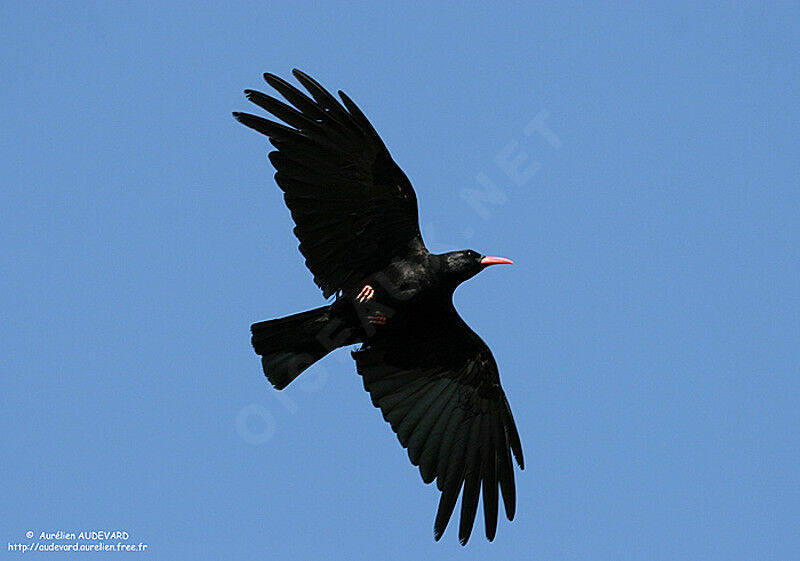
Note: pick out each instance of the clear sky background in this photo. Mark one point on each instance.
(647, 337)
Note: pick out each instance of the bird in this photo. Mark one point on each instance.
(433, 378)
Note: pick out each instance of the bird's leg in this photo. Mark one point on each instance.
(377, 318)
(367, 293)
(370, 312)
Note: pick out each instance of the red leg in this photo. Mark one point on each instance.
(367, 293)
(377, 318)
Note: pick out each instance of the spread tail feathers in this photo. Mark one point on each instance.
(289, 345)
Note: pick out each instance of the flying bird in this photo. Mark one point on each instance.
(433, 378)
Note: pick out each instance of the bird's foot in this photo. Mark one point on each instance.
(377, 318)
(367, 293)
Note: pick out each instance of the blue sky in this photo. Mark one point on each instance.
(647, 337)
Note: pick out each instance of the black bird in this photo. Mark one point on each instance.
(435, 381)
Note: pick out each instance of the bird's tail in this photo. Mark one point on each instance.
(291, 344)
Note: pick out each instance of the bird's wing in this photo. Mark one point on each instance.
(438, 386)
(353, 206)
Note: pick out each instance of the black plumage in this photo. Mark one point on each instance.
(435, 381)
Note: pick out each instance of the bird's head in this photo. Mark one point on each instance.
(465, 264)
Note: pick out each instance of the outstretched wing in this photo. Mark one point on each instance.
(353, 207)
(438, 386)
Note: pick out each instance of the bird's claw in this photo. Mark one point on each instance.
(377, 319)
(367, 293)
